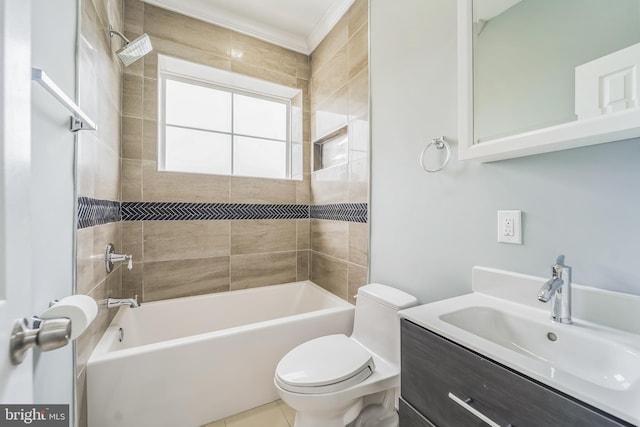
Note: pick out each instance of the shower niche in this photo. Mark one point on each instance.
(331, 150)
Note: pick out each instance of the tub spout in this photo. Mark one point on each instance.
(117, 302)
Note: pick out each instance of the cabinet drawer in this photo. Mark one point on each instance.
(434, 367)
(409, 417)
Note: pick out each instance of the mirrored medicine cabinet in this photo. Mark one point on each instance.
(538, 76)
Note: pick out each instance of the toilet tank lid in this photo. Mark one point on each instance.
(391, 297)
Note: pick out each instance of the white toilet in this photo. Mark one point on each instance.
(330, 379)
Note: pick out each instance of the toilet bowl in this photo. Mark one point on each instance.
(328, 380)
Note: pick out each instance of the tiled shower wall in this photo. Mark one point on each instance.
(118, 163)
(186, 257)
(98, 170)
(340, 96)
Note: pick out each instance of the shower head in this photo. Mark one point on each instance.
(132, 50)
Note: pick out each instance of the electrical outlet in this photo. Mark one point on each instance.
(510, 227)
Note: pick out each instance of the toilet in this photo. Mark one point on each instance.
(330, 379)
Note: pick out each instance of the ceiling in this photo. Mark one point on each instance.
(298, 25)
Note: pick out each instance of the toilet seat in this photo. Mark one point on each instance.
(324, 365)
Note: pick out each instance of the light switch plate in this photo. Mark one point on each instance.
(510, 227)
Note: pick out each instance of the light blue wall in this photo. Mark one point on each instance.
(428, 230)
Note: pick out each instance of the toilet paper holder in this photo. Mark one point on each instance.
(46, 334)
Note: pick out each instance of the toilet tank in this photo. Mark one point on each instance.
(377, 324)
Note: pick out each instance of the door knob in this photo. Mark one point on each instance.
(47, 334)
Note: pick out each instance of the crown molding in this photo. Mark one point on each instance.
(335, 12)
(208, 12)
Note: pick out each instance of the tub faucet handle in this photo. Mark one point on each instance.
(111, 256)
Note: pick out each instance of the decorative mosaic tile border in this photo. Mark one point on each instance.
(165, 211)
(93, 212)
(351, 212)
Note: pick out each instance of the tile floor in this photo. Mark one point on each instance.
(274, 414)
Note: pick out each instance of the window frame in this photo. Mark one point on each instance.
(200, 75)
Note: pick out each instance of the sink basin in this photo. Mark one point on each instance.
(595, 360)
(573, 349)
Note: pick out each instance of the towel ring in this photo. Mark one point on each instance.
(439, 143)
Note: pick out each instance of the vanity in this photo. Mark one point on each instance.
(494, 358)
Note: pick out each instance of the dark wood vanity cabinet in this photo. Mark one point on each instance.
(436, 371)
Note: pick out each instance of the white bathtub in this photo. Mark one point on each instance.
(189, 361)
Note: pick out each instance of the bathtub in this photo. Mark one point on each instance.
(189, 361)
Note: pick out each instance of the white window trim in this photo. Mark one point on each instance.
(203, 75)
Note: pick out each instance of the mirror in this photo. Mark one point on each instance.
(537, 76)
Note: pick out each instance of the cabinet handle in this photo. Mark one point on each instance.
(466, 405)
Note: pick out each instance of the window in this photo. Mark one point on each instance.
(217, 122)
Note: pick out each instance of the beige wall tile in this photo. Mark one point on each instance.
(249, 271)
(131, 138)
(107, 174)
(304, 262)
(330, 185)
(358, 15)
(359, 181)
(109, 71)
(86, 164)
(303, 66)
(87, 76)
(133, 16)
(150, 140)
(303, 190)
(150, 103)
(174, 27)
(357, 278)
(131, 180)
(176, 240)
(263, 54)
(88, 340)
(330, 273)
(327, 49)
(358, 243)
(331, 114)
(109, 128)
(358, 51)
(173, 279)
(358, 139)
(260, 190)
(303, 232)
(150, 60)
(264, 73)
(330, 78)
(100, 92)
(132, 96)
(260, 236)
(182, 187)
(330, 238)
(359, 95)
(132, 282)
(132, 239)
(84, 262)
(114, 287)
(182, 51)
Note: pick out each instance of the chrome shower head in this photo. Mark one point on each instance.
(132, 50)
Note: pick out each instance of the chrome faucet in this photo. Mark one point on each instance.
(558, 290)
(117, 302)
